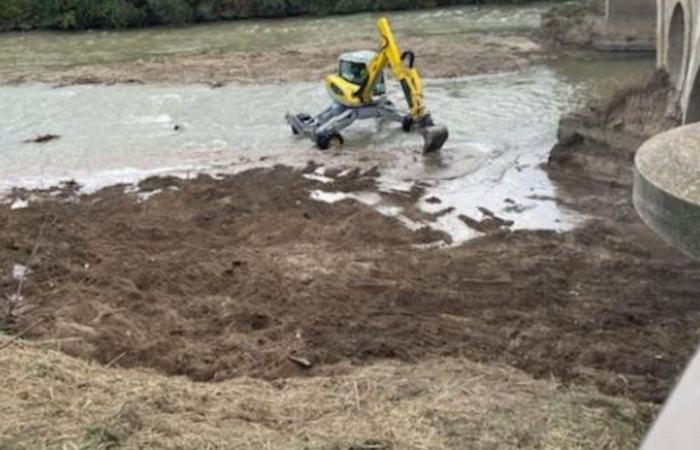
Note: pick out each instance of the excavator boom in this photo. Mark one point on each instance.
(402, 66)
(390, 54)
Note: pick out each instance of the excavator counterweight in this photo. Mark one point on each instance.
(358, 91)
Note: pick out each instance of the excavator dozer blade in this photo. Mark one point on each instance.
(434, 137)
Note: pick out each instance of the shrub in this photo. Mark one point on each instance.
(120, 14)
(351, 6)
(81, 14)
(14, 13)
(171, 12)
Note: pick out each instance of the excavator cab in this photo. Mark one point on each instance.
(353, 69)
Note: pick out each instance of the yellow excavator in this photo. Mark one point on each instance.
(358, 92)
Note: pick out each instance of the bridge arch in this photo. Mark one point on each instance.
(677, 48)
(692, 110)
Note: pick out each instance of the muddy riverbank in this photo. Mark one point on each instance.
(244, 272)
(596, 145)
(439, 57)
(448, 42)
(583, 24)
(289, 295)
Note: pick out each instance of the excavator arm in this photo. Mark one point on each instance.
(402, 66)
(390, 55)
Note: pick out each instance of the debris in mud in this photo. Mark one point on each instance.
(19, 272)
(303, 362)
(42, 138)
(443, 212)
(517, 208)
(490, 224)
(371, 445)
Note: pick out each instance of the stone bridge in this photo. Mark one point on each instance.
(667, 170)
(678, 50)
(667, 195)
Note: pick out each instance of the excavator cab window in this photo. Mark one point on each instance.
(356, 73)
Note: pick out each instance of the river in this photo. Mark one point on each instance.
(502, 125)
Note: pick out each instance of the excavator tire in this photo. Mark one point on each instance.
(407, 124)
(327, 140)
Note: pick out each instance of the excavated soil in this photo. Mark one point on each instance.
(219, 278)
(593, 160)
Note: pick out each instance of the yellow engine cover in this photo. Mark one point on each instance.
(343, 91)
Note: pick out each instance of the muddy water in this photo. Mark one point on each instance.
(502, 126)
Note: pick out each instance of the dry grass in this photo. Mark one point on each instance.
(50, 400)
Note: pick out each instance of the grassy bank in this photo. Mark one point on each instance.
(84, 14)
(51, 400)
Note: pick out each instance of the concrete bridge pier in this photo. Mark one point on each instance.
(667, 187)
(667, 196)
(667, 167)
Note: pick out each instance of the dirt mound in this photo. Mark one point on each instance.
(583, 24)
(54, 401)
(571, 23)
(216, 279)
(592, 163)
(599, 142)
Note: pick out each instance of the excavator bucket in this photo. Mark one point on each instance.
(434, 137)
